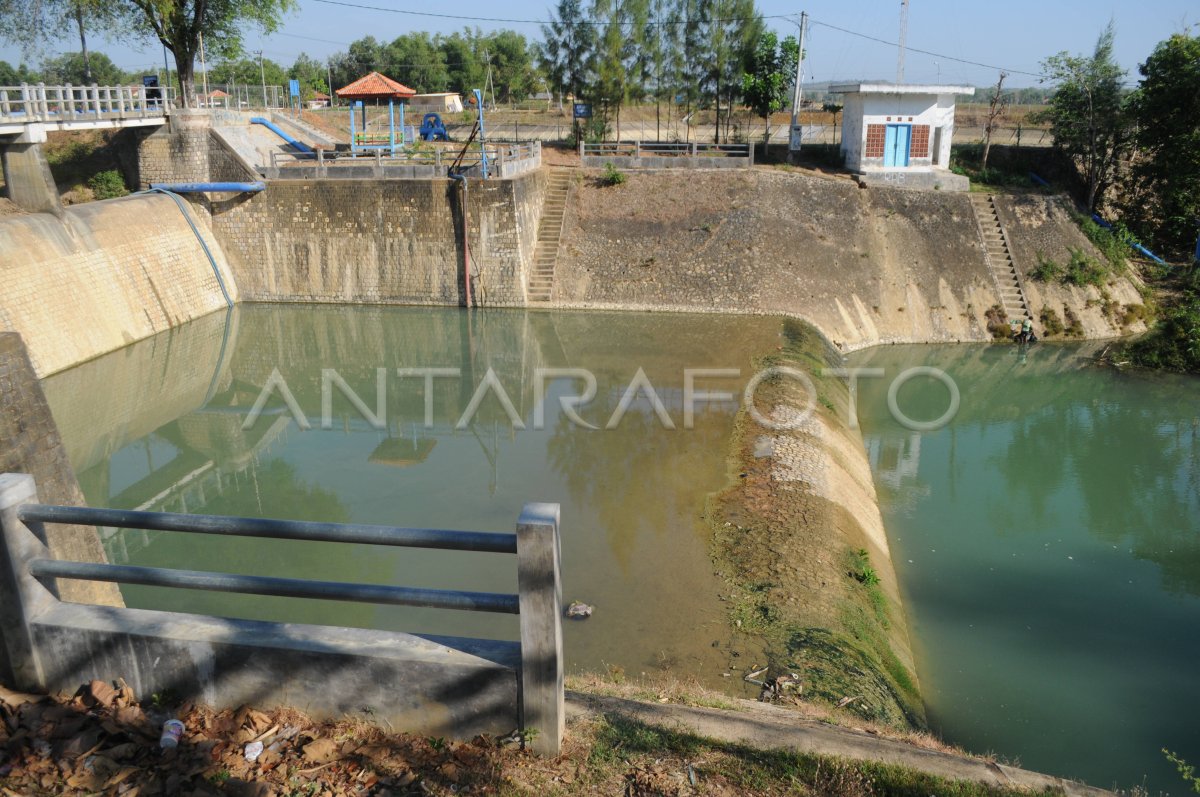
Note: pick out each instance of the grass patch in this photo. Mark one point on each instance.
(1112, 242)
(651, 755)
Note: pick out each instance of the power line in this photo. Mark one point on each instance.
(917, 50)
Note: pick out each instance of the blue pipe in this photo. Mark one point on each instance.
(200, 188)
(1038, 180)
(1096, 218)
(274, 128)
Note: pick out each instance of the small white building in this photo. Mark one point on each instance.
(438, 102)
(897, 128)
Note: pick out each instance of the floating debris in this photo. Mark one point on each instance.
(578, 610)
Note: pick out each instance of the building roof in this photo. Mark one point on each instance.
(217, 93)
(900, 88)
(375, 87)
(438, 94)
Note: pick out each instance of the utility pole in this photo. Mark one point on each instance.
(204, 72)
(263, 76)
(903, 36)
(797, 92)
(329, 82)
(167, 83)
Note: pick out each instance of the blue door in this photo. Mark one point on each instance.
(895, 145)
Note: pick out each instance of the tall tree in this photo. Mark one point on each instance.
(1086, 114)
(74, 69)
(463, 57)
(611, 68)
(312, 75)
(415, 60)
(997, 102)
(513, 73)
(566, 55)
(1166, 174)
(767, 83)
(31, 23)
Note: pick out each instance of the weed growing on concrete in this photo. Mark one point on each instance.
(1074, 328)
(1112, 242)
(1046, 270)
(612, 176)
(997, 322)
(1051, 323)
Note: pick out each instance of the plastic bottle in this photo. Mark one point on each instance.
(172, 730)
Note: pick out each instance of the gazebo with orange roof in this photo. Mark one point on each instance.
(376, 86)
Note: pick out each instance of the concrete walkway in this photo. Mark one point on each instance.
(772, 727)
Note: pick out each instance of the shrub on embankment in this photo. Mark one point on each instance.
(1174, 343)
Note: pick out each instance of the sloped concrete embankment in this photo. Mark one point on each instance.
(799, 539)
(106, 274)
(865, 266)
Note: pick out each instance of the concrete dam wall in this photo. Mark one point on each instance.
(106, 274)
(382, 241)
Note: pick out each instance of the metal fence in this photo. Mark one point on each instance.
(30, 584)
(666, 155)
(504, 160)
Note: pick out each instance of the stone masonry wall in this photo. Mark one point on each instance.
(29, 443)
(103, 276)
(384, 241)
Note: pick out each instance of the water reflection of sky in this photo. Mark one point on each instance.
(1048, 547)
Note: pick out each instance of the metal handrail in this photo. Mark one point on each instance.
(277, 587)
(66, 103)
(482, 541)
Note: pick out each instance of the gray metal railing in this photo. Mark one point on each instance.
(668, 149)
(504, 160)
(28, 590)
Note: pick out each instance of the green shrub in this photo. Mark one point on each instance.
(1112, 243)
(1073, 327)
(108, 185)
(997, 322)
(1051, 323)
(1083, 270)
(1046, 270)
(612, 175)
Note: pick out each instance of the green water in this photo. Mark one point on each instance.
(159, 426)
(1047, 544)
(1047, 541)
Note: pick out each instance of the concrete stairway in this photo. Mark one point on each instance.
(1004, 271)
(541, 278)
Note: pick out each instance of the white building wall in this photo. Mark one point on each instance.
(862, 110)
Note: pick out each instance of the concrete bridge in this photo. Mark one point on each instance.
(28, 113)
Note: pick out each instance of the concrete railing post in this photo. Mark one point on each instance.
(22, 598)
(539, 583)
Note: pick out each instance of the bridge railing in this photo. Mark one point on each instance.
(505, 159)
(665, 154)
(66, 103)
(39, 637)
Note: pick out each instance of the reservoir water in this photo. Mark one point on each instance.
(1047, 543)
(1047, 540)
(160, 426)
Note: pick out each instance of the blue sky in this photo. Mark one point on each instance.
(1016, 34)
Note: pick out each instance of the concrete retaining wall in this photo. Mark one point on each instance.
(381, 241)
(863, 265)
(104, 275)
(30, 443)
